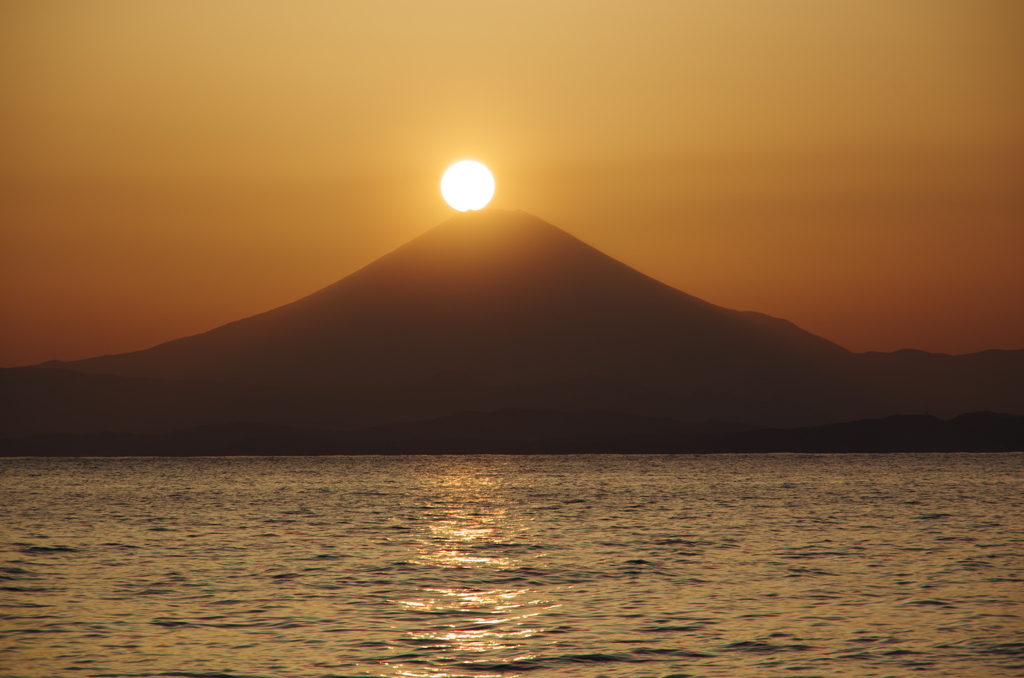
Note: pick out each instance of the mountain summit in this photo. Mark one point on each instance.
(506, 298)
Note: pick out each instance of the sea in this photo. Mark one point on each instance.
(667, 566)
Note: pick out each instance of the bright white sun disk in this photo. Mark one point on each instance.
(467, 185)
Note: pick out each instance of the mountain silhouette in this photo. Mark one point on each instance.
(504, 298)
(495, 309)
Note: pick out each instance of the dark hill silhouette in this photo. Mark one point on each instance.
(37, 401)
(991, 380)
(506, 300)
(971, 432)
(540, 432)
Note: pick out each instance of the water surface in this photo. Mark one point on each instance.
(616, 566)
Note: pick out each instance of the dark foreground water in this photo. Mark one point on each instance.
(724, 565)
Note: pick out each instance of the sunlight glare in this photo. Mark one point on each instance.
(467, 185)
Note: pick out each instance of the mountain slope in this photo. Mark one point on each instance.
(505, 298)
(35, 401)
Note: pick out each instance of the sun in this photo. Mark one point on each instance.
(467, 185)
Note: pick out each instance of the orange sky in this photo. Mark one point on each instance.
(854, 166)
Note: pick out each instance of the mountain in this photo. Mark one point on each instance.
(496, 309)
(502, 297)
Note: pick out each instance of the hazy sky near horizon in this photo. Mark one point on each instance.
(854, 166)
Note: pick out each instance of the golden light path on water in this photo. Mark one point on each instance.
(469, 518)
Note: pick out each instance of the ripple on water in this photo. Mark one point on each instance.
(440, 567)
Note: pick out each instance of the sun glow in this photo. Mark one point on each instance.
(467, 185)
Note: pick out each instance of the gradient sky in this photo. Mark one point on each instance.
(855, 166)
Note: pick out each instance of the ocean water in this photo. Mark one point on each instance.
(617, 566)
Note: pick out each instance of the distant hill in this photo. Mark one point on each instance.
(39, 401)
(490, 310)
(541, 432)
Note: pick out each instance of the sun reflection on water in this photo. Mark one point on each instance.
(468, 533)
